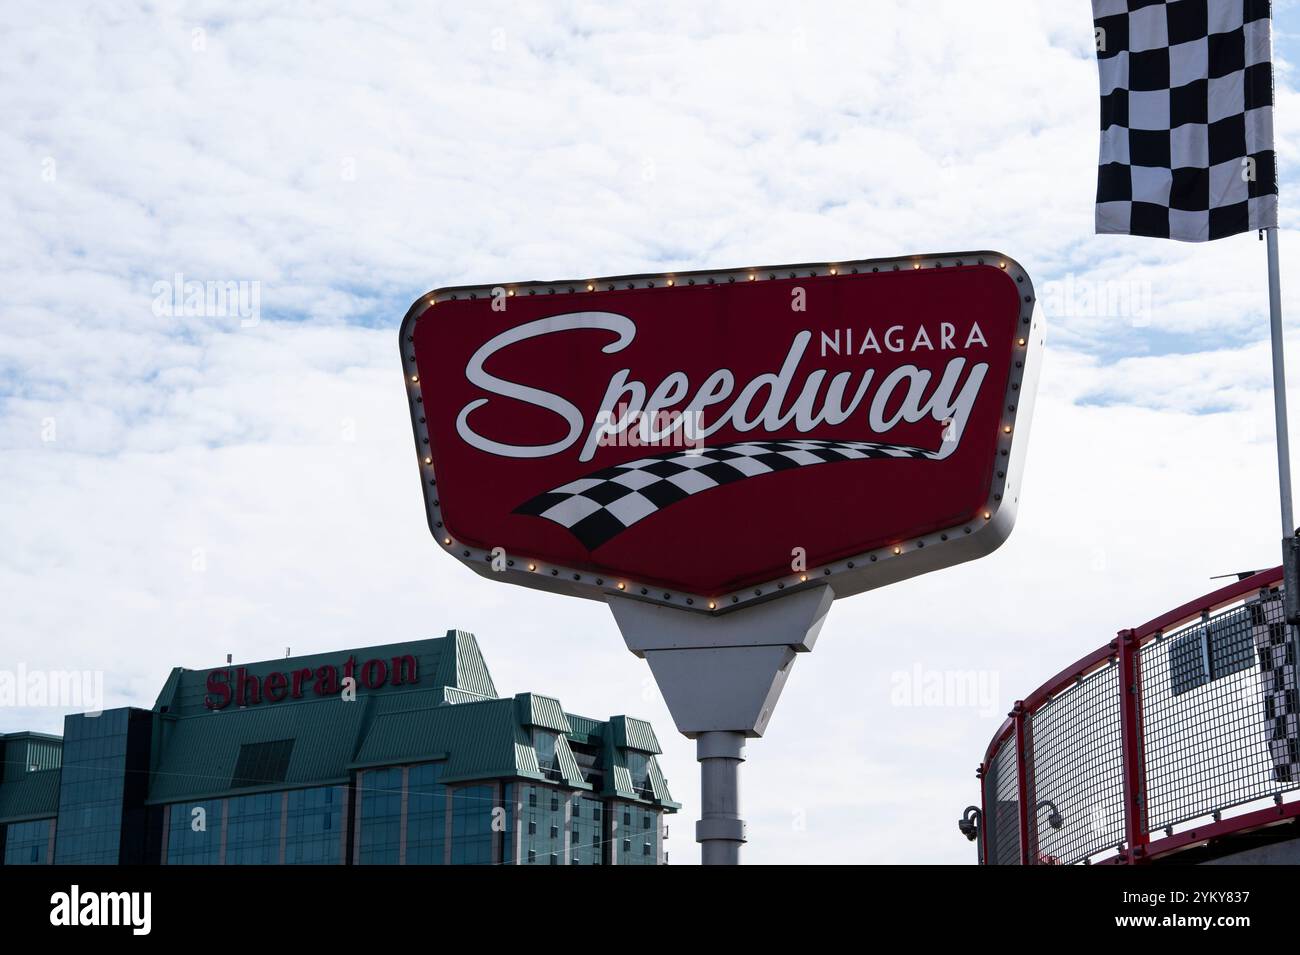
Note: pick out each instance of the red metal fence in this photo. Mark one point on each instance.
(1173, 734)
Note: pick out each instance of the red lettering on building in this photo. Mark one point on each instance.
(374, 673)
(248, 689)
(275, 687)
(405, 670)
(218, 687)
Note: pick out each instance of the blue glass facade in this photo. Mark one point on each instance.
(194, 833)
(471, 825)
(28, 843)
(314, 826)
(253, 829)
(380, 795)
(586, 831)
(636, 835)
(305, 826)
(485, 828)
(541, 825)
(92, 789)
(426, 816)
(505, 824)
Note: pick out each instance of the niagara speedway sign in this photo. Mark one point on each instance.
(708, 439)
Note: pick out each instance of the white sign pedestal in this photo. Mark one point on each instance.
(721, 677)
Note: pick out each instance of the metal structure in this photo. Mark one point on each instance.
(721, 678)
(1290, 543)
(1174, 736)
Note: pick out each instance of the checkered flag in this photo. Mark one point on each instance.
(599, 507)
(1186, 118)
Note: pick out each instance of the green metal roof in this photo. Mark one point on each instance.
(569, 768)
(583, 729)
(543, 711)
(449, 694)
(465, 669)
(618, 735)
(477, 735)
(635, 734)
(22, 752)
(34, 795)
(199, 752)
(621, 778)
(660, 785)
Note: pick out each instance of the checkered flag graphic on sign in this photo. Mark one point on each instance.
(1186, 118)
(599, 507)
(1277, 684)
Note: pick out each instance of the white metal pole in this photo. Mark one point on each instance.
(1279, 382)
(1291, 577)
(721, 831)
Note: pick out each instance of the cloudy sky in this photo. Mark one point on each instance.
(176, 488)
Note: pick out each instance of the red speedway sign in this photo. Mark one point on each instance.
(707, 439)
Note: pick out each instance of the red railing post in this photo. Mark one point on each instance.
(1130, 721)
(984, 815)
(1024, 786)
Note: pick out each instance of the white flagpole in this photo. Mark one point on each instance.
(1291, 576)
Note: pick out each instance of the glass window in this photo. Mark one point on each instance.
(545, 742)
(314, 826)
(28, 843)
(380, 793)
(91, 789)
(507, 819)
(640, 846)
(262, 764)
(638, 764)
(543, 835)
(426, 816)
(586, 840)
(471, 825)
(194, 833)
(253, 829)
